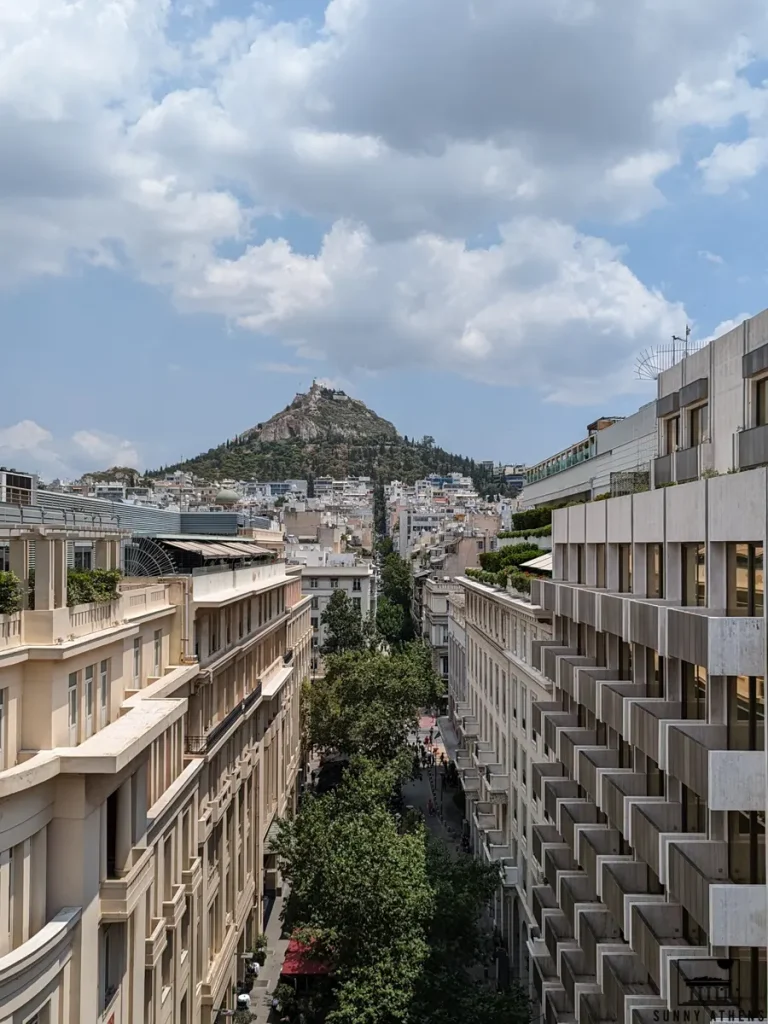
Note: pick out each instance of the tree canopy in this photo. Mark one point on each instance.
(344, 626)
(366, 702)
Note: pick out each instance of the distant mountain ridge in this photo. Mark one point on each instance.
(325, 432)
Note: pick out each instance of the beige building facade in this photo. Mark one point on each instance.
(147, 744)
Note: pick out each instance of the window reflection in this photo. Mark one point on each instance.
(745, 579)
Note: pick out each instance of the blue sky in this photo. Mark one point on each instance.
(450, 211)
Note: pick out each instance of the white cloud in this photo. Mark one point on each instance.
(725, 327)
(546, 307)
(409, 127)
(29, 446)
(711, 257)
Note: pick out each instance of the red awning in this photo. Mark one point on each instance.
(299, 961)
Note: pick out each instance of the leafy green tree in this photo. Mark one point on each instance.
(390, 620)
(367, 702)
(396, 581)
(379, 509)
(360, 893)
(344, 627)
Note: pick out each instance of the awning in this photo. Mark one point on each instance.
(219, 549)
(542, 563)
(299, 961)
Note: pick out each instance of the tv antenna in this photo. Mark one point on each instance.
(654, 361)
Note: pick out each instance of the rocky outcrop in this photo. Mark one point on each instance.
(324, 414)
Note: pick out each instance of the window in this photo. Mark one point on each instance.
(694, 566)
(72, 707)
(315, 622)
(157, 650)
(694, 702)
(698, 425)
(334, 584)
(580, 563)
(761, 402)
(104, 693)
(137, 660)
(357, 605)
(90, 672)
(357, 585)
(599, 565)
(83, 558)
(443, 666)
(504, 695)
(625, 568)
(248, 616)
(315, 604)
(746, 712)
(655, 570)
(746, 592)
(523, 706)
(313, 582)
(671, 434)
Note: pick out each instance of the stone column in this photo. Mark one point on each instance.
(44, 574)
(124, 839)
(60, 573)
(19, 564)
(102, 554)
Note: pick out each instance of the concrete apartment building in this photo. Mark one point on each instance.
(319, 582)
(492, 688)
(651, 859)
(146, 746)
(436, 593)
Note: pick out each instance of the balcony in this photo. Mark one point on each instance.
(556, 790)
(590, 686)
(612, 703)
(595, 843)
(556, 1007)
(687, 464)
(541, 770)
(645, 718)
(577, 977)
(662, 471)
(556, 860)
(555, 722)
(540, 708)
(753, 447)
(468, 728)
(655, 928)
(558, 933)
(616, 788)
(570, 743)
(544, 974)
(624, 976)
(551, 656)
(725, 645)
(597, 928)
(495, 783)
(10, 631)
(496, 847)
(484, 817)
(586, 606)
(569, 671)
(612, 613)
(591, 766)
(573, 814)
(623, 879)
(483, 754)
(693, 867)
(651, 825)
(575, 891)
(197, 746)
(120, 896)
(690, 747)
(542, 898)
(543, 836)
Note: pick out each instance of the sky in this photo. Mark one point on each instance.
(472, 214)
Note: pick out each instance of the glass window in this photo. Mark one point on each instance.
(625, 568)
(655, 567)
(103, 691)
(334, 584)
(313, 582)
(698, 425)
(357, 585)
(2, 730)
(694, 567)
(599, 565)
(72, 706)
(523, 706)
(746, 712)
(671, 434)
(745, 579)
(90, 673)
(694, 702)
(137, 659)
(158, 648)
(761, 402)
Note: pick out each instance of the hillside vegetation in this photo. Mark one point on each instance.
(326, 433)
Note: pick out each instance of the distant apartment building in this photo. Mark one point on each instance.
(147, 744)
(319, 582)
(647, 858)
(614, 458)
(493, 687)
(17, 488)
(435, 620)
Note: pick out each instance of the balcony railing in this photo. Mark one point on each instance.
(753, 447)
(197, 745)
(693, 867)
(649, 822)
